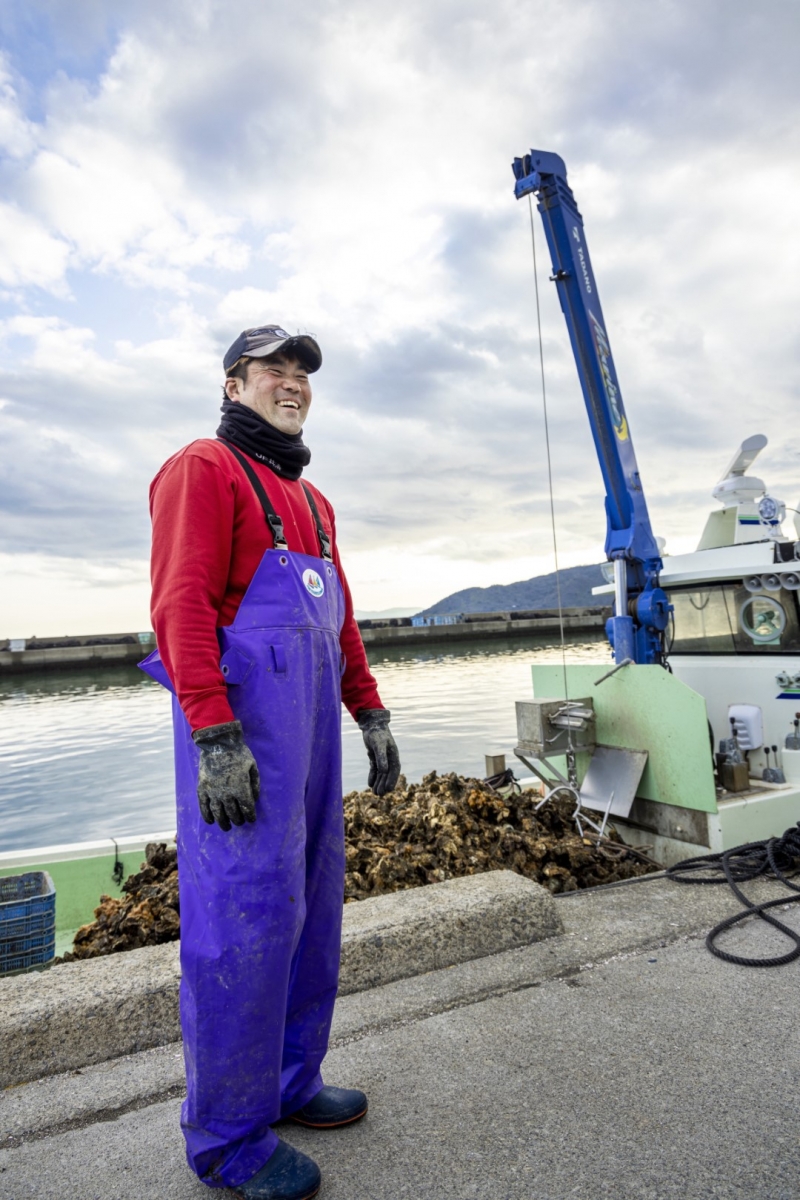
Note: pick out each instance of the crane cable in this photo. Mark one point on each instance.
(549, 463)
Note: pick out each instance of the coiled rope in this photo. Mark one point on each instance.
(777, 858)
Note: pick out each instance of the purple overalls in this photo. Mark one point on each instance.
(261, 905)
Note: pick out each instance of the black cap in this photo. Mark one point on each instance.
(269, 339)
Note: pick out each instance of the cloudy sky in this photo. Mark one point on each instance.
(175, 171)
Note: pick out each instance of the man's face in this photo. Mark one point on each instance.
(277, 388)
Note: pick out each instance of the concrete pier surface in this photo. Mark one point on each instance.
(618, 1058)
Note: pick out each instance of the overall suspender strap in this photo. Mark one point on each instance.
(273, 520)
(324, 540)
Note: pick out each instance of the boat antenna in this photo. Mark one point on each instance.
(549, 463)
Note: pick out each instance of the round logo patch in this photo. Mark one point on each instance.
(314, 585)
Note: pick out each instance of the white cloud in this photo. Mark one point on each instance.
(98, 176)
(62, 351)
(17, 134)
(30, 256)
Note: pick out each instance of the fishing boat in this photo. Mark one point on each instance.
(689, 743)
(734, 640)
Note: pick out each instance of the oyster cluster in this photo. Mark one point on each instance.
(449, 826)
(445, 827)
(146, 914)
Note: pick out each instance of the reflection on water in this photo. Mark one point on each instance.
(89, 755)
(83, 755)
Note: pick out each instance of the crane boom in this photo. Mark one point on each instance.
(636, 631)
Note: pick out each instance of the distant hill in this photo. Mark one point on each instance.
(539, 592)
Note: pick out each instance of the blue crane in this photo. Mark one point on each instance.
(636, 631)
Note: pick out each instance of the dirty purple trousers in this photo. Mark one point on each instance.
(261, 905)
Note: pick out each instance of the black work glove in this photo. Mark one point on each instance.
(227, 781)
(384, 758)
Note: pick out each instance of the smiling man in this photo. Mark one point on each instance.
(258, 643)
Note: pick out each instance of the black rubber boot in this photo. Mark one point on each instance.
(287, 1175)
(331, 1108)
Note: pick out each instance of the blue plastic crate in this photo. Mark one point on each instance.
(27, 921)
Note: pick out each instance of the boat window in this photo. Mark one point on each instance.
(726, 618)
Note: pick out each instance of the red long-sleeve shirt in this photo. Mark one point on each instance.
(209, 535)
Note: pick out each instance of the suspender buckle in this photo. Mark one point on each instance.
(278, 536)
(325, 544)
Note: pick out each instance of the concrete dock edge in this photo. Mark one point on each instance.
(427, 928)
(82, 1013)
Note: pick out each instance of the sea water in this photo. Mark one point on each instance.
(87, 755)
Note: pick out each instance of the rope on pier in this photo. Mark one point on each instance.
(774, 858)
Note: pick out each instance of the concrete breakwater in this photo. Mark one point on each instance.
(544, 622)
(21, 655)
